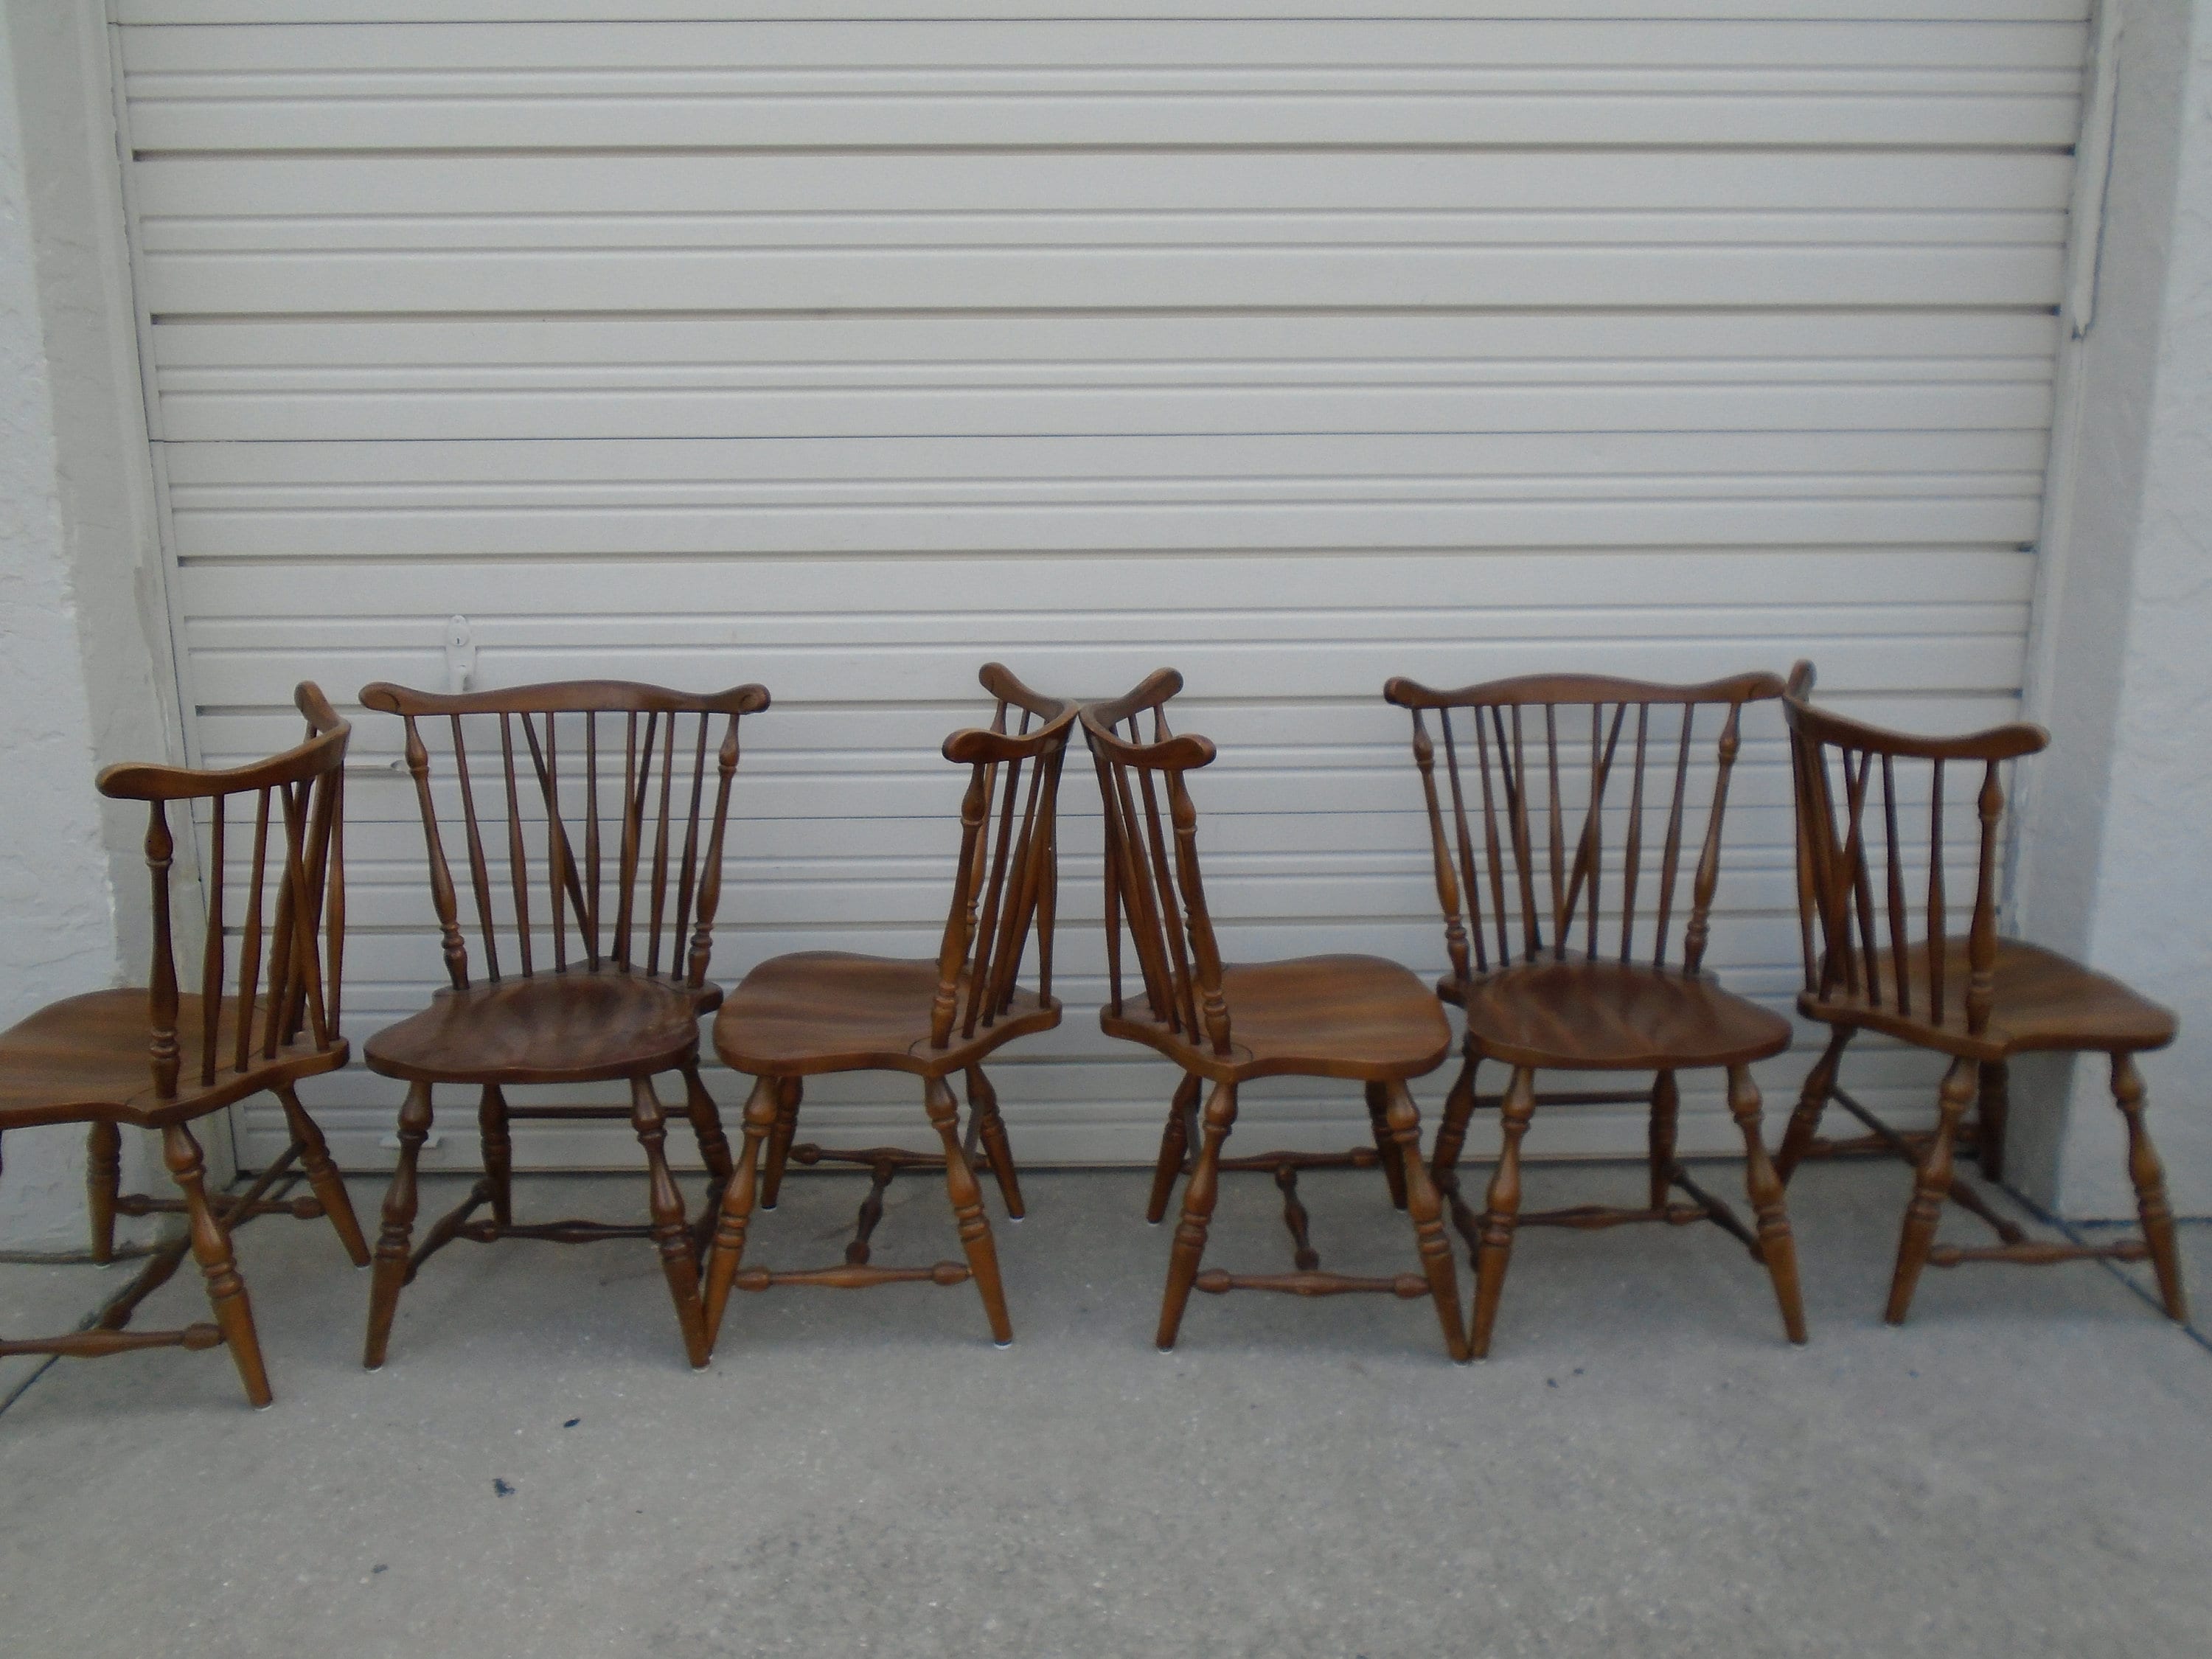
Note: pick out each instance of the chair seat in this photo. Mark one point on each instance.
(86, 1057)
(1358, 1018)
(833, 1011)
(1576, 1014)
(2043, 1001)
(583, 1026)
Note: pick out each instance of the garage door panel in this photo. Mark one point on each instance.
(188, 199)
(1296, 344)
(1040, 278)
(1272, 669)
(1664, 584)
(300, 13)
(1255, 491)
(1041, 82)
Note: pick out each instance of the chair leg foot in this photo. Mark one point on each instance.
(323, 1176)
(2149, 1176)
(1403, 1120)
(234, 1312)
(1777, 1245)
(736, 1213)
(670, 1233)
(1932, 1184)
(1199, 1194)
(393, 1244)
(967, 1210)
(1502, 1209)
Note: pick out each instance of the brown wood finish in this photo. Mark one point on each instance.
(1878, 847)
(264, 1016)
(1359, 1018)
(817, 1011)
(591, 816)
(1541, 777)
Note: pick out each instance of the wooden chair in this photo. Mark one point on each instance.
(1615, 1004)
(627, 920)
(1360, 1019)
(1875, 960)
(819, 1011)
(158, 1057)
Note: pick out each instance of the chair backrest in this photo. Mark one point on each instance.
(598, 893)
(1164, 901)
(1540, 793)
(1009, 878)
(291, 956)
(1859, 923)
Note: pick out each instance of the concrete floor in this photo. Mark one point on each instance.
(1644, 1467)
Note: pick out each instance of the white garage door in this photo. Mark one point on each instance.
(734, 342)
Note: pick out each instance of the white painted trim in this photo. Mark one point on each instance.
(2062, 476)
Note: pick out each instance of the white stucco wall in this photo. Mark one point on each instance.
(2151, 910)
(84, 673)
(2115, 865)
(56, 915)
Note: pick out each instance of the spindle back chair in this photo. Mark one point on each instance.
(1356, 1017)
(1888, 859)
(266, 1014)
(817, 1011)
(593, 894)
(1582, 805)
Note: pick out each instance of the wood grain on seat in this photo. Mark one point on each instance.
(814, 1012)
(86, 1055)
(2038, 1000)
(1576, 1014)
(1363, 1018)
(586, 1025)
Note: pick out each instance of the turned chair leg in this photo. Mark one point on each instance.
(323, 1176)
(1175, 1147)
(967, 1210)
(1932, 1184)
(1666, 1111)
(737, 1208)
(1502, 1207)
(983, 1107)
(103, 1183)
(234, 1313)
(1812, 1101)
(2149, 1177)
(1199, 1194)
(670, 1231)
(1991, 1117)
(393, 1242)
(714, 1148)
(498, 1152)
(1777, 1246)
(789, 1091)
(1451, 1127)
(1386, 1144)
(1427, 1211)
